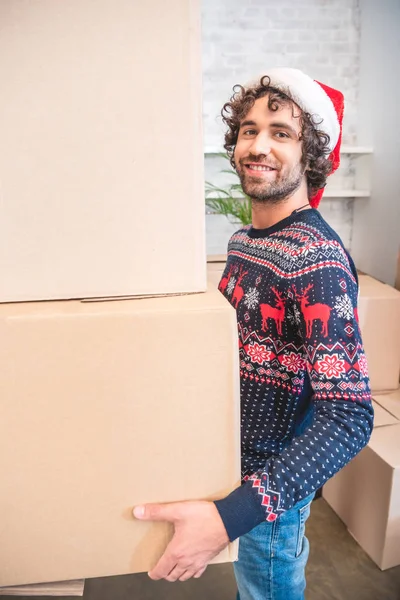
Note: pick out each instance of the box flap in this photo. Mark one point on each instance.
(390, 402)
(382, 416)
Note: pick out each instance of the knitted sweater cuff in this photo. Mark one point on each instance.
(240, 512)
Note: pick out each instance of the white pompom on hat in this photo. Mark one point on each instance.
(325, 105)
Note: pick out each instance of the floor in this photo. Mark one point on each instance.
(338, 569)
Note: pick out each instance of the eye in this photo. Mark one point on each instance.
(282, 134)
(249, 132)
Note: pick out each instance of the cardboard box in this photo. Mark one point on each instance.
(379, 313)
(216, 258)
(106, 405)
(382, 416)
(101, 161)
(390, 402)
(215, 268)
(59, 588)
(366, 493)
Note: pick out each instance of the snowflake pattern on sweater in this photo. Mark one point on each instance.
(305, 399)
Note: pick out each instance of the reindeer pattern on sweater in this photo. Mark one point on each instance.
(305, 397)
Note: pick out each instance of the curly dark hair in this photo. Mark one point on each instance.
(315, 150)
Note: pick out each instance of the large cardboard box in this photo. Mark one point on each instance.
(366, 493)
(101, 154)
(379, 313)
(106, 405)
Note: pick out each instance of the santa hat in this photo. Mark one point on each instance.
(324, 104)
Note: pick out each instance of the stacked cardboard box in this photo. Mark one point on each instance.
(102, 186)
(379, 313)
(366, 493)
(215, 268)
(106, 404)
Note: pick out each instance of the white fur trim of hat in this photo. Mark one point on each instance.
(309, 96)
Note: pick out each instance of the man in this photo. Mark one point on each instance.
(305, 397)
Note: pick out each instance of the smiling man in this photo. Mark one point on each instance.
(281, 175)
(305, 398)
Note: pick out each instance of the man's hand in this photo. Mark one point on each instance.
(199, 536)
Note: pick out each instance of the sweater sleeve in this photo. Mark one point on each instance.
(324, 304)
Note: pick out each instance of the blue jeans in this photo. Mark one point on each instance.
(273, 557)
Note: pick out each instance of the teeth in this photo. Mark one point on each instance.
(260, 168)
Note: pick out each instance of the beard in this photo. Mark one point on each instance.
(270, 191)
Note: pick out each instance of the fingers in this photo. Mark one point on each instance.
(156, 512)
(199, 573)
(164, 567)
(187, 575)
(176, 574)
(168, 568)
(181, 574)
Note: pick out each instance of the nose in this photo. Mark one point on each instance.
(261, 145)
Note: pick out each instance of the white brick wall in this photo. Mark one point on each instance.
(243, 37)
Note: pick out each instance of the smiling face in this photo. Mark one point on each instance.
(268, 152)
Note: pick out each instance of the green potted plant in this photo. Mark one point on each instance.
(230, 201)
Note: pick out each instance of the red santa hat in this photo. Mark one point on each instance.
(324, 104)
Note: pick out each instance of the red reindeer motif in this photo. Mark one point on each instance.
(238, 292)
(277, 313)
(225, 280)
(313, 312)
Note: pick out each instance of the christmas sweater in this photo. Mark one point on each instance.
(305, 398)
